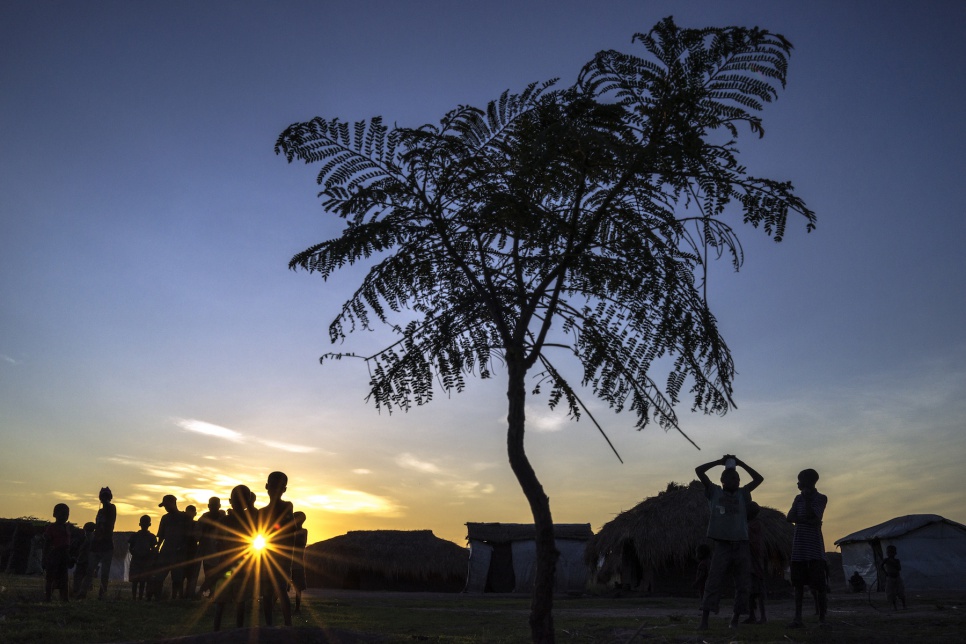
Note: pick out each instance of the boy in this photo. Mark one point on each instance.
(298, 558)
(728, 530)
(808, 546)
(143, 546)
(82, 558)
(57, 553)
(276, 523)
(893, 580)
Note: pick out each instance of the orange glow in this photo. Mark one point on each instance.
(259, 543)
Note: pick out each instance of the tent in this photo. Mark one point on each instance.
(399, 560)
(932, 550)
(503, 557)
(652, 547)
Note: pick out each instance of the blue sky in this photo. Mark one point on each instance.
(152, 338)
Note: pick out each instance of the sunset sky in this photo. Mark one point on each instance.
(153, 339)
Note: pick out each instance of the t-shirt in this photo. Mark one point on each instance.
(729, 513)
(103, 540)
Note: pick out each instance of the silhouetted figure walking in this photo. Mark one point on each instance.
(728, 530)
(143, 546)
(56, 554)
(808, 566)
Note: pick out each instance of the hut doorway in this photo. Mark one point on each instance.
(632, 572)
(500, 577)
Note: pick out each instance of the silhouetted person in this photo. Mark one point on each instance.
(756, 548)
(143, 546)
(208, 529)
(808, 566)
(172, 535)
(300, 540)
(102, 545)
(82, 558)
(234, 577)
(893, 578)
(856, 582)
(277, 524)
(56, 554)
(728, 531)
(192, 567)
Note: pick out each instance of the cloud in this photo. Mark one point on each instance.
(8, 359)
(209, 429)
(545, 420)
(361, 470)
(341, 501)
(410, 462)
(287, 447)
(217, 431)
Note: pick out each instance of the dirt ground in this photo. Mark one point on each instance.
(852, 617)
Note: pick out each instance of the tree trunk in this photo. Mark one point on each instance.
(541, 603)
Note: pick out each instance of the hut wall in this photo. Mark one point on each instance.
(479, 564)
(572, 572)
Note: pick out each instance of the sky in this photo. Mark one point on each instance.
(152, 338)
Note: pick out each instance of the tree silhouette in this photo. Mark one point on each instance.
(556, 223)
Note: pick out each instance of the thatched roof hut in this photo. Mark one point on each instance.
(652, 546)
(405, 560)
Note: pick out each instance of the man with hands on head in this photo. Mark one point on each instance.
(728, 530)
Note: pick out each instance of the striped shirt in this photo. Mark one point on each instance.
(808, 543)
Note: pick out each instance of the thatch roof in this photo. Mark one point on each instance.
(666, 529)
(509, 532)
(417, 554)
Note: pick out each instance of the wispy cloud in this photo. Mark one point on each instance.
(4, 357)
(210, 429)
(410, 462)
(351, 502)
(453, 482)
(287, 447)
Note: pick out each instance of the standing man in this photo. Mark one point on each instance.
(728, 531)
(172, 536)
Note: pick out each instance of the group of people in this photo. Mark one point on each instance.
(245, 553)
(89, 558)
(735, 532)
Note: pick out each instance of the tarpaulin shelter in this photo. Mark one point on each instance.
(503, 557)
(932, 550)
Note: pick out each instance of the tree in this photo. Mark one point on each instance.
(575, 222)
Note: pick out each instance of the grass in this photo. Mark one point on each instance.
(470, 619)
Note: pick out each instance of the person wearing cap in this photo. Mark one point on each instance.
(728, 531)
(172, 537)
